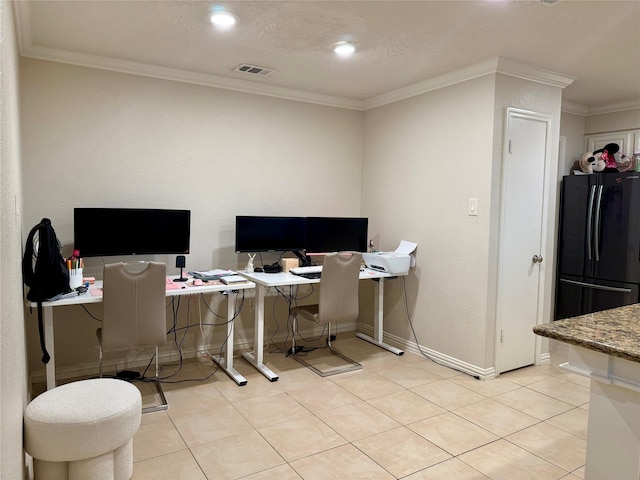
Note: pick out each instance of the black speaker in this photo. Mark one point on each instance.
(181, 261)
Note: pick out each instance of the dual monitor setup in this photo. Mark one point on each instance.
(303, 236)
(102, 232)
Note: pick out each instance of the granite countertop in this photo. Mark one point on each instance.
(615, 332)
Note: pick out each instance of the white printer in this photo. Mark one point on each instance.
(397, 262)
(390, 262)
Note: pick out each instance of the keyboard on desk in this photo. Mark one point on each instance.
(308, 272)
(310, 275)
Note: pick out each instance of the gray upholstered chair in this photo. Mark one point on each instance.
(135, 312)
(338, 302)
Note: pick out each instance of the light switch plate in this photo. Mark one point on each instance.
(473, 206)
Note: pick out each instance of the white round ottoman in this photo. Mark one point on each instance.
(83, 430)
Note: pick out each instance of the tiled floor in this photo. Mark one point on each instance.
(400, 417)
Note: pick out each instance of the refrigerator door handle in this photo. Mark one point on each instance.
(596, 235)
(597, 287)
(592, 195)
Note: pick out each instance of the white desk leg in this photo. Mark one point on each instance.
(49, 345)
(256, 359)
(227, 363)
(378, 321)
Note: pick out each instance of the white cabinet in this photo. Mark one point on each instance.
(628, 140)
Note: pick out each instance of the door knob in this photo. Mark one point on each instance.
(537, 259)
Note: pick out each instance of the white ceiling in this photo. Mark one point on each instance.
(400, 43)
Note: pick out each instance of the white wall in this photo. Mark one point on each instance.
(13, 367)
(425, 156)
(100, 138)
(572, 128)
(612, 122)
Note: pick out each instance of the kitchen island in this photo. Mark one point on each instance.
(605, 347)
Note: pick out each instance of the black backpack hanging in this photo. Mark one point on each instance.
(44, 270)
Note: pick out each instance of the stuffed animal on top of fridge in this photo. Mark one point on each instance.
(606, 159)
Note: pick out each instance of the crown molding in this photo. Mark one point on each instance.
(27, 49)
(533, 74)
(430, 84)
(584, 111)
(166, 73)
(480, 69)
(614, 107)
(574, 108)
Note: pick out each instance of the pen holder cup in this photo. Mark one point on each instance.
(75, 278)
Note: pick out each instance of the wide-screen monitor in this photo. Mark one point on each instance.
(131, 231)
(336, 234)
(263, 234)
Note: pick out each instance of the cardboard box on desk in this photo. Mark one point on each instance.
(289, 263)
(390, 262)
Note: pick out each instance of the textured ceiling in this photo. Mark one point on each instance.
(399, 43)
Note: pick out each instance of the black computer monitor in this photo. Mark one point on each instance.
(336, 234)
(131, 231)
(264, 234)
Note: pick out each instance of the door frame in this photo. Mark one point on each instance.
(549, 167)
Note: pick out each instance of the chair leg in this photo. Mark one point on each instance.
(164, 405)
(100, 370)
(349, 368)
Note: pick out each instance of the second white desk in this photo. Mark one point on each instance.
(264, 281)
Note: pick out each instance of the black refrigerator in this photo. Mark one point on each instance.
(598, 251)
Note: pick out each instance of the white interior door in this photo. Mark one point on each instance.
(522, 259)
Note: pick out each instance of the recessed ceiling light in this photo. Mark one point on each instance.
(344, 48)
(222, 18)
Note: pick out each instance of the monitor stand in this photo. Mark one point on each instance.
(305, 261)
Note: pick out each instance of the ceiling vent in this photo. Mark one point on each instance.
(253, 70)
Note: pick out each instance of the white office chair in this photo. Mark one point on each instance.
(338, 302)
(134, 315)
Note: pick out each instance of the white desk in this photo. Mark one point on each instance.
(264, 281)
(225, 363)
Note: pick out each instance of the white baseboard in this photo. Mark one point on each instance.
(88, 369)
(142, 358)
(445, 360)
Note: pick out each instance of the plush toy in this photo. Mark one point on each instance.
(608, 154)
(592, 162)
(607, 159)
(626, 163)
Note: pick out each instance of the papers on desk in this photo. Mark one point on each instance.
(215, 274)
(60, 296)
(406, 247)
(231, 279)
